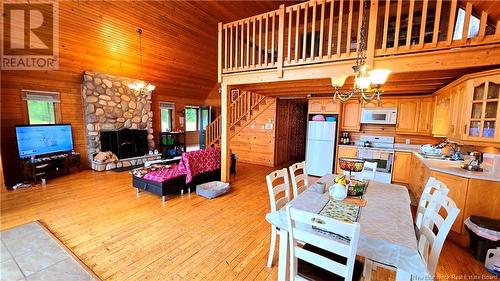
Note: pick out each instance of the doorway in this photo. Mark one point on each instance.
(291, 127)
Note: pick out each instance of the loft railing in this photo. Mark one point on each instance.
(241, 108)
(325, 31)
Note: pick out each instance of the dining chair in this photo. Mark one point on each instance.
(368, 172)
(279, 195)
(431, 187)
(434, 229)
(298, 174)
(324, 256)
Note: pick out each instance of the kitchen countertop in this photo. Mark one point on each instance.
(442, 166)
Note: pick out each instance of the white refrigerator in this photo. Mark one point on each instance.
(320, 149)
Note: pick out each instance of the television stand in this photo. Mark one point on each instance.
(49, 167)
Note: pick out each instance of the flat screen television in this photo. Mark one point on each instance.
(36, 140)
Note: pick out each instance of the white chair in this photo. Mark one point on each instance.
(337, 257)
(299, 180)
(430, 242)
(277, 183)
(430, 189)
(368, 172)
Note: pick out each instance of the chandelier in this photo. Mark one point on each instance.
(140, 87)
(367, 84)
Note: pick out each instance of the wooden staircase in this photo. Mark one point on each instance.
(242, 111)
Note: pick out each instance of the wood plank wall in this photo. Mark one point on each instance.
(390, 130)
(253, 144)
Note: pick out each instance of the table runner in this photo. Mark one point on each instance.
(387, 233)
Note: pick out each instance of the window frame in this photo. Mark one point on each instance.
(197, 112)
(170, 106)
(49, 96)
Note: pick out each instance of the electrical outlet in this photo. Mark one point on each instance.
(408, 141)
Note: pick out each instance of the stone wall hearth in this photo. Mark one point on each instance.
(110, 105)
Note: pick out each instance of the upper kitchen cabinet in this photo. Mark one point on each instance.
(456, 114)
(351, 116)
(442, 114)
(408, 113)
(388, 102)
(483, 110)
(323, 106)
(425, 116)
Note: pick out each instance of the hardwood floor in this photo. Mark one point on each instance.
(124, 237)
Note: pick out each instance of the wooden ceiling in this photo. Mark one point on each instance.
(492, 7)
(410, 83)
(179, 42)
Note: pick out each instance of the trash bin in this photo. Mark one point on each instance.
(484, 234)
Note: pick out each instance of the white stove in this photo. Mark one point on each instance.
(379, 149)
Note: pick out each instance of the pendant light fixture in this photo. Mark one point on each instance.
(367, 84)
(140, 87)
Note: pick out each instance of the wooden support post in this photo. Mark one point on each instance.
(224, 141)
(497, 31)
(281, 31)
(372, 33)
(219, 52)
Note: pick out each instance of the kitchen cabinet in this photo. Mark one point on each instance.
(458, 191)
(388, 102)
(401, 166)
(350, 117)
(323, 106)
(425, 116)
(407, 122)
(442, 114)
(345, 151)
(483, 109)
(419, 175)
(456, 112)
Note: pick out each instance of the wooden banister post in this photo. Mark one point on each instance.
(249, 102)
(224, 140)
(281, 35)
(219, 52)
(372, 33)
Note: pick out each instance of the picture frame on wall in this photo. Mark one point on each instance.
(235, 94)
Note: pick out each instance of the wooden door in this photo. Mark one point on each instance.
(330, 106)
(408, 116)
(345, 151)
(458, 191)
(281, 132)
(442, 112)
(315, 106)
(483, 109)
(351, 116)
(425, 116)
(401, 167)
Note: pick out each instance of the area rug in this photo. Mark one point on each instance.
(31, 252)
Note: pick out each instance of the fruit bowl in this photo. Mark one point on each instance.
(351, 164)
(356, 188)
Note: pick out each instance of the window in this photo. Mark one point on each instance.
(191, 119)
(459, 25)
(42, 107)
(167, 116)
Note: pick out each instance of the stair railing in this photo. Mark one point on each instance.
(240, 109)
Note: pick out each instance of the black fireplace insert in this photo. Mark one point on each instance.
(125, 143)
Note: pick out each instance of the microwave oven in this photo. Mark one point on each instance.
(379, 115)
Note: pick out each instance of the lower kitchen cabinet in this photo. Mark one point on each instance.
(458, 192)
(401, 167)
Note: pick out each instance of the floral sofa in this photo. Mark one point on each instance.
(194, 168)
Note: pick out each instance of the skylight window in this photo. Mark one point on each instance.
(459, 25)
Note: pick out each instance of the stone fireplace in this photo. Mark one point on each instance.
(114, 113)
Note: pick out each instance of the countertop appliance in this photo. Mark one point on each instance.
(379, 115)
(381, 150)
(472, 161)
(320, 148)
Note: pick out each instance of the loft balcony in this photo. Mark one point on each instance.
(316, 38)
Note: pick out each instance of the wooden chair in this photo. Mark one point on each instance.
(277, 203)
(299, 181)
(323, 257)
(433, 231)
(429, 191)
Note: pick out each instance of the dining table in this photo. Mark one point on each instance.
(387, 233)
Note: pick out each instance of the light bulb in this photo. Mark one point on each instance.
(363, 82)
